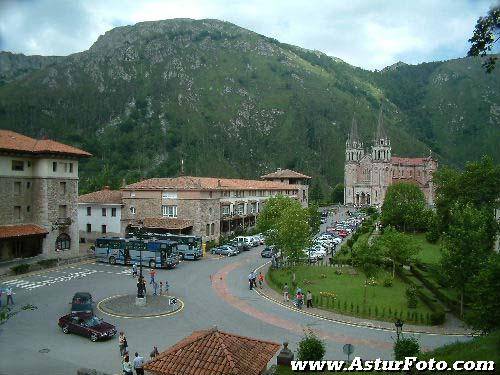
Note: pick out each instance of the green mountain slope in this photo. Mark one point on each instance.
(234, 103)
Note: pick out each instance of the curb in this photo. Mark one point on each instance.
(123, 316)
(350, 323)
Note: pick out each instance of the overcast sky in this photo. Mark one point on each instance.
(367, 33)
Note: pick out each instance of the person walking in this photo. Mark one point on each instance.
(152, 275)
(122, 343)
(261, 279)
(309, 299)
(286, 295)
(127, 366)
(134, 270)
(250, 280)
(254, 279)
(138, 364)
(167, 287)
(154, 353)
(9, 294)
(300, 300)
(161, 288)
(155, 288)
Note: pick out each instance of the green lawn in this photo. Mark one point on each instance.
(430, 253)
(382, 302)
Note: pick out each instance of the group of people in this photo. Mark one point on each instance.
(253, 278)
(299, 297)
(158, 288)
(137, 363)
(8, 293)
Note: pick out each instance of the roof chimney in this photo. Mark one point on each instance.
(218, 183)
(105, 187)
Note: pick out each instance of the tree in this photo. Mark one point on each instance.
(338, 194)
(398, 247)
(367, 259)
(314, 218)
(311, 348)
(486, 34)
(406, 347)
(315, 193)
(466, 246)
(404, 207)
(484, 312)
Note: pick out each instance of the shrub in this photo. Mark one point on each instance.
(47, 263)
(411, 295)
(20, 268)
(311, 348)
(388, 282)
(406, 347)
(438, 317)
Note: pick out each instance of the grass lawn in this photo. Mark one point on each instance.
(430, 253)
(349, 288)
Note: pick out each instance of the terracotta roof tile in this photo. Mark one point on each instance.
(285, 173)
(409, 161)
(206, 183)
(24, 230)
(102, 196)
(12, 141)
(213, 352)
(166, 223)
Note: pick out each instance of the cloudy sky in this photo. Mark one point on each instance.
(367, 33)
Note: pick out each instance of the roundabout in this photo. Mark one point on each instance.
(123, 306)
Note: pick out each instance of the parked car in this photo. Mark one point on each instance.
(240, 246)
(87, 325)
(247, 240)
(268, 252)
(224, 250)
(82, 303)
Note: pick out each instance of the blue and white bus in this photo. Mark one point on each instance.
(127, 251)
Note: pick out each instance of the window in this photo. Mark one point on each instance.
(62, 187)
(103, 228)
(225, 210)
(207, 229)
(70, 167)
(29, 164)
(17, 165)
(103, 210)
(17, 212)
(212, 229)
(89, 228)
(210, 194)
(113, 212)
(63, 242)
(89, 211)
(63, 211)
(132, 210)
(54, 166)
(169, 195)
(210, 211)
(28, 185)
(169, 211)
(17, 187)
(28, 208)
(226, 193)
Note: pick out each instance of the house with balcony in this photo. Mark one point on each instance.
(204, 206)
(39, 182)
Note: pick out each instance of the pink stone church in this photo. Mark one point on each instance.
(367, 175)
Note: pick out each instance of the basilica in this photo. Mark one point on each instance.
(367, 175)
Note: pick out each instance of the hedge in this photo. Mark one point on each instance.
(20, 268)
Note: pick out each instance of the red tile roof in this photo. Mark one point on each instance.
(285, 173)
(206, 183)
(102, 196)
(12, 141)
(409, 161)
(24, 230)
(213, 352)
(166, 223)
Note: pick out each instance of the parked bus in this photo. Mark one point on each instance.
(127, 251)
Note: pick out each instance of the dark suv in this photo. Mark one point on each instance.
(82, 302)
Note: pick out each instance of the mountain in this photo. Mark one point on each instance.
(15, 66)
(233, 103)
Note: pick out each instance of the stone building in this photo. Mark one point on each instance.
(39, 183)
(203, 206)
(99, 214)
(368, 174)
(288, 176)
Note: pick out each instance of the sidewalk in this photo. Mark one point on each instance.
(453, 328)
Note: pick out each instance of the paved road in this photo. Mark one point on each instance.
(215, 292)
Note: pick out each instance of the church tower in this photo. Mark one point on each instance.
(381, 150)
(354, 152)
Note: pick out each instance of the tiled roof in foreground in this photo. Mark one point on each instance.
(102, 196)
(23, 230)
(213, 352)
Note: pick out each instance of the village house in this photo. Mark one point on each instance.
(38, 210)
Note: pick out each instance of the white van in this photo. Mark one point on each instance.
(247, 240)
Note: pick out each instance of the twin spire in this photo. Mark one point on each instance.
(353, 138)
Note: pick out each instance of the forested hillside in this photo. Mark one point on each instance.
(234, 103)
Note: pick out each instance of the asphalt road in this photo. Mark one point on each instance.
(215, 292)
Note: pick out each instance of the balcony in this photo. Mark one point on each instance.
(63, 221)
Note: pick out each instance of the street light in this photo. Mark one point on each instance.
(399, 327)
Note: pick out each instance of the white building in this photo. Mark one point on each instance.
(99, 214)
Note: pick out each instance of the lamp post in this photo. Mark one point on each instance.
(399, 327)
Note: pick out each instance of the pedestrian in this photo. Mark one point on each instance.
(122, 343)
(261, 279)
(254, 279)
(286, 296)
(9, 293)
(138, 364)
(134, 270)
(309, 299)
(167, 287)
(152, 275)
(155, 287)
(161, 288)
(154, 353)
(250, 280)
(127, 366)
(300, 300)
